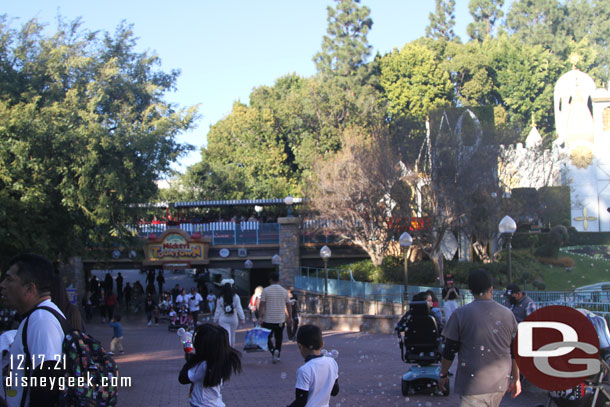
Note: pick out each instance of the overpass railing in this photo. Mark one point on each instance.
(245, 232)
(221, 233)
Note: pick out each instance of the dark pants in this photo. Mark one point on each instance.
(292, 330)
(195, 315)
(277, 331)
(110, 310)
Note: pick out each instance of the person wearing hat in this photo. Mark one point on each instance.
(449, 286)
(519, 302)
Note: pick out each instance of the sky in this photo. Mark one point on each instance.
(226, 48)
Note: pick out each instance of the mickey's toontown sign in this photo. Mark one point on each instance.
(175, 246)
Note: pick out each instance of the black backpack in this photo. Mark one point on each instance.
(85, 356)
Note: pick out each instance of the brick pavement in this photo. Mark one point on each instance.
(369, 369)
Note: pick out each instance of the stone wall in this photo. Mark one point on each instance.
(289, 249)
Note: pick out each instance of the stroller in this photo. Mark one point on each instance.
(419, 340)
(595, 391)
(178, 320)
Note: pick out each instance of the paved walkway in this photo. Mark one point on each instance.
(369, 370)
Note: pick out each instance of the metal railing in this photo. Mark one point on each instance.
(312, 279)
(221, 233)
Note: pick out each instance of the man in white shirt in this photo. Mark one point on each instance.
(193, 303)
(26, 287)
(273, 308)
(181, 299)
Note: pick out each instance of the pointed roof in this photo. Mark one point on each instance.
(533, 138)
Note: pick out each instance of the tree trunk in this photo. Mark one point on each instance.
(438, 261)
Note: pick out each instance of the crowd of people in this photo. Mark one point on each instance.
(31, 285)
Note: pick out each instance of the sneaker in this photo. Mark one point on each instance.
(149, 323)
(276, 356)
(111, 353)
(121, 352)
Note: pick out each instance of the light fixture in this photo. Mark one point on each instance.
(289, 201)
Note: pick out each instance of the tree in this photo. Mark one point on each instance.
(84, 133)
(516, 78)
(414, 82)
(360, 190)
(442, 21)
(566, 27)
(541, 22)
(343, 92)
(485, 14)
(452, 179)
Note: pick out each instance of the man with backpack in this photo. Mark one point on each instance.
(26, 287)
(47, 351)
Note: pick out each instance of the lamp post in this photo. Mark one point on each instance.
(276, 260)
(258, 210)
(325, 254)
(405, 241)
(507, 227)
(289, 201)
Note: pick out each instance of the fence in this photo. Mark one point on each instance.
(221, 233)
(312, 279)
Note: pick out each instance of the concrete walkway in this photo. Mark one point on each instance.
(369, 367)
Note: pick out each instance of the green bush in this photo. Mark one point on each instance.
(525, 240)
(525, 267)
(556, 238)
(391, 272)
(555, 205)
(587, 238)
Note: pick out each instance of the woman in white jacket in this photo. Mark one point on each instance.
(228, 309)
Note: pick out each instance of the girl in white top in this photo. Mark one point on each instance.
(450, 304)
(213, 363)
(228, 310)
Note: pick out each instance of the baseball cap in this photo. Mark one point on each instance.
(512, 289)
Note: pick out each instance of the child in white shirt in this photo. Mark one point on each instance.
(318, 378)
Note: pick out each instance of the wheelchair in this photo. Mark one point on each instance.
(420, 344)
(595, 391)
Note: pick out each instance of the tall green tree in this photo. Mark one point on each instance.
(485, 14)
(414, 82)
(84, 134)
(343, 93)
(541, 22)
(266, 145)
(345, 48)
(442, 21)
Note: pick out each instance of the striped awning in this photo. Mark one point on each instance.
(235, 202)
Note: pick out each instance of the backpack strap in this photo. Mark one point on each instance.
(24, 340)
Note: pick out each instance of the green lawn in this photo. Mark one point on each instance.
(588, 269)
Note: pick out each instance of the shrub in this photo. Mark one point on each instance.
(557, 237)
(540, 285)
(525, 241)
(587, 238)
(561, 261)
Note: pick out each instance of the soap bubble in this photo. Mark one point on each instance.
(334, 353)
(324, 352)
